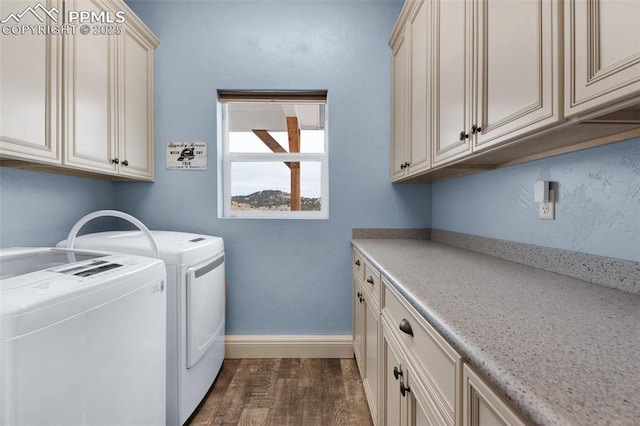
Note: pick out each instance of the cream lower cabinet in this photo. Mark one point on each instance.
(367, 328)
(411, 375)
(366, 344)
(371, 347)
(429, 367)
(405, 401)
(482, 406)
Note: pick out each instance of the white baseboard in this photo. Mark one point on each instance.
(288, 346)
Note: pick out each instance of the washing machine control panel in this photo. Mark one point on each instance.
(87, 270)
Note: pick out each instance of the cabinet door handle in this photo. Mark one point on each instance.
(396, 373)
(404, 389)
(402, 166)
(475, 129)
(370, 279)
(464, 135)
(125, 163)
(115, 161)
(406, 164)
(357, 262)
(405, 327)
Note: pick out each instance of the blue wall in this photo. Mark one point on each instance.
(597, 209)
(39, 209)
(285, 276)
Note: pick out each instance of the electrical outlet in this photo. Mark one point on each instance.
(547, 211)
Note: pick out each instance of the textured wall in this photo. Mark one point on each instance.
(285, 276)
(597, 209)
(39, 209)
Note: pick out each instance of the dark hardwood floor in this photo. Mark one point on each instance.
(300, 392)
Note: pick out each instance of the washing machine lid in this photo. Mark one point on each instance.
(20, 261)
(43, 286)
(176, 248)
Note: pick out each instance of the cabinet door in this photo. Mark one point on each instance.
(400, 106)
(517, 69)
(421, 409)
(90, 79)
(372, 322)
(358, 326)
(136, 103)
(482, 406)
(418, 155)
(30, 84)
(392, 410)
(602, 52)
(452, 88)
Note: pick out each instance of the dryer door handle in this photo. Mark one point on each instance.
(208, 267)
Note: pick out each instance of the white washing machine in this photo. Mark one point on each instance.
(82, 338)
(195, 308)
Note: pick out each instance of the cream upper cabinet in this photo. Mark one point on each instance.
(419, 157)
(30, 88)
(136, 136)
(400, 109)
(91, 132)
(411, 70)
(517, 75)
(452, 79)
(602, 53)
(102, 123)
(496, 73)
(109, 80)
(492, 82)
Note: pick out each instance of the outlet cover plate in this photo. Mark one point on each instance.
(547, 211)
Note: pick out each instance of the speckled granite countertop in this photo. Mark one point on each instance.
(564, 351)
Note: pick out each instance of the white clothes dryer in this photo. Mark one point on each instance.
(82, 338)
(195, 308)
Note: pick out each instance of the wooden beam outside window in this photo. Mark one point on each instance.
(294, 146)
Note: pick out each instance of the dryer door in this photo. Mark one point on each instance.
(205, 307)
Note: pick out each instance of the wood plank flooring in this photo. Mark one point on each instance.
(275, 392)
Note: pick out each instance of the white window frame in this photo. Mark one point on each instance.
(225, 158)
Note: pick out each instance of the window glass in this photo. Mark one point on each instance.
(274, 157)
